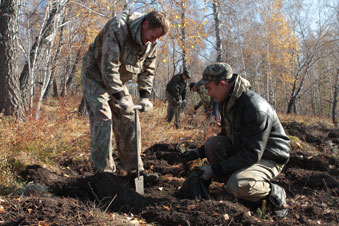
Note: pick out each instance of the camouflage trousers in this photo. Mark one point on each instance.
(106, 115)
(251, 183)
(173, 109)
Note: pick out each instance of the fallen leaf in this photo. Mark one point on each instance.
(191, 207)
(226, 217)
(2, 209)
(42, 223)
(166, 207)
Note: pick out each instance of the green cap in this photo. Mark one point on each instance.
(216, 72)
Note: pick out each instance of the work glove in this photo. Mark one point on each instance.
(207, 172)
(191, 154)
(146, 104)
(125, 105)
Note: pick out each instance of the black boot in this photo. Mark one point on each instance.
(277, 198)
(151, 178)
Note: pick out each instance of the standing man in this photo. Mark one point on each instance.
(176, 95)
(125, 49)
(209, 104)
(252, 147)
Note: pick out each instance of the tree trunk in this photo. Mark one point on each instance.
(37, 50)
(10, 101)
(217, 31)
(183, 36)
(335, 100)
(74, 67)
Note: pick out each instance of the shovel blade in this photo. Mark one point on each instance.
(139, 185)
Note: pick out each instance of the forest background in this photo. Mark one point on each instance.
(287, 49)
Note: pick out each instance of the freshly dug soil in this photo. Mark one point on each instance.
(311, 180)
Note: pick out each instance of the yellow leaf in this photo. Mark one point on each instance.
(176, 16)
(179, 25)
(108, 8)
(164, 60)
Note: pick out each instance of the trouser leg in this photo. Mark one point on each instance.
(100, 118)
(171, 107)
(124, 131)
(250, 183)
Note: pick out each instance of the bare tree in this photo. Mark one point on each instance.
(215, 6)
(41, 44)
(10, 101)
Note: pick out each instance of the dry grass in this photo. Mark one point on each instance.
(58, 130)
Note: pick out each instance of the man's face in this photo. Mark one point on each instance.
(218, 92)
(150, 35)
(184, 77)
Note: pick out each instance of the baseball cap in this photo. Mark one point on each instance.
(186, 73)
(216, 72)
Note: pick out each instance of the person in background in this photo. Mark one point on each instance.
(210, 105)
(252, 147)
(124, 49)
(176, 96)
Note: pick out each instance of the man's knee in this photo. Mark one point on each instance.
(246, 189)
(236, 187)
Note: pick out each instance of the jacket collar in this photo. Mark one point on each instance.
(240, 86)
(134, 24)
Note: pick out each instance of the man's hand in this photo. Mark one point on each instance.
(207, 172)
(125, 105)
(146, 104)
(191, 154)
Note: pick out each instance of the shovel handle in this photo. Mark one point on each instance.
(137, 107)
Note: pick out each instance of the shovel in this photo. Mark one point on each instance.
(139, 180)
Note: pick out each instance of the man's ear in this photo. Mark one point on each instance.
(222, 82)
(145, 25)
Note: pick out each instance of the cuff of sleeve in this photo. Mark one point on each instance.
(144, 94)
(118, 95)
(217, 170)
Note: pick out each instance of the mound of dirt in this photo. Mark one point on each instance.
(310, 180)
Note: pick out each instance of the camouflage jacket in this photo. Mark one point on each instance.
(118, 55)
(205, 100)
(177, 87)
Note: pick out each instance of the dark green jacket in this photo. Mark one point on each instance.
(256, 133)
(177, 87)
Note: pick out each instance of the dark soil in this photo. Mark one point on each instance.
(311, 180)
